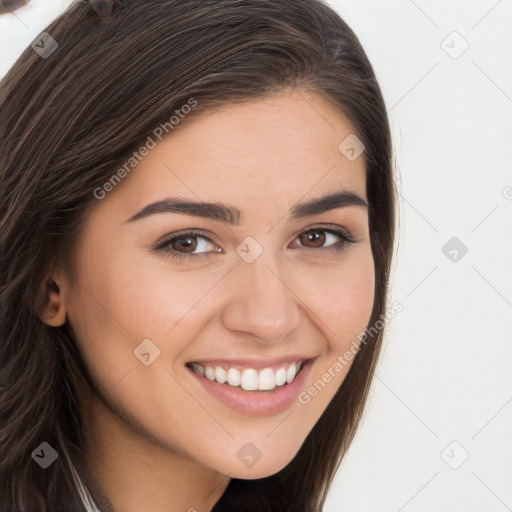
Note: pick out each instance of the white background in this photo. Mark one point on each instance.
(444, 385)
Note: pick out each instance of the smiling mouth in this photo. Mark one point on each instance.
(249, 379)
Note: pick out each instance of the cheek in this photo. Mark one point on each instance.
(347, 298)
(344, 306)
(153, 296)
(110, 311)
(128, 301)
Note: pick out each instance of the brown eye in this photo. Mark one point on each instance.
(325, 239)
(184, 244)
(315, 237)
(193, 244)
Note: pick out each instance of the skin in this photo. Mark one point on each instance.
(156, 424)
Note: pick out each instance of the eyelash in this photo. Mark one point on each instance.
(165, 244)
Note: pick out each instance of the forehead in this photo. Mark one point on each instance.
(265, 151)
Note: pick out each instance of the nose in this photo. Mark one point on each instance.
(261, 301)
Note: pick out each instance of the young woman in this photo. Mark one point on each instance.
(197, 229)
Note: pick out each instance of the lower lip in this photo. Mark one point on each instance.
(260, 403)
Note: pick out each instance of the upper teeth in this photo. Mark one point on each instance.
(249, 379)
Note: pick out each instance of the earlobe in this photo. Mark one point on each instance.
(55, 311)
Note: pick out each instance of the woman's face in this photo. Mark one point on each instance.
(263, 283)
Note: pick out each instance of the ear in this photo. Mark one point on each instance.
(55, 311)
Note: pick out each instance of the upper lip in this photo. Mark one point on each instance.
(253, 363)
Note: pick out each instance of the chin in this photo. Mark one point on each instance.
(262, 468)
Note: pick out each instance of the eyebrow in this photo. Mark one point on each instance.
(233, 216)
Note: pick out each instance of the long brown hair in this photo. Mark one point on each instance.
(72, 116)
